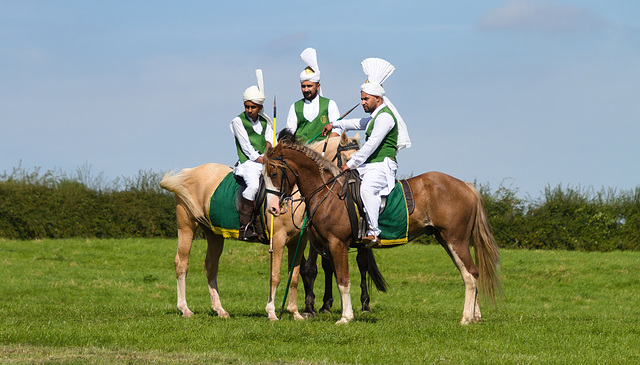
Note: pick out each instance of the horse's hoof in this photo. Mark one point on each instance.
(224, 315)
(342, 321)
(308, 315)
(325, 310)
(273, 319)
(187, 314)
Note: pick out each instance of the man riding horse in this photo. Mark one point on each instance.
(310, 114)
(250, 130)
(386, 133)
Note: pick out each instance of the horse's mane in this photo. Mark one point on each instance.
(286, 139)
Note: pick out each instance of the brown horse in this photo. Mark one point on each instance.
(446, 207)
(193, 188)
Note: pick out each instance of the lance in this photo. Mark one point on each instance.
(341, 117)
(274, 140)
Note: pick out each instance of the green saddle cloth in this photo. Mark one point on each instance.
(223, 214)
(393, 221)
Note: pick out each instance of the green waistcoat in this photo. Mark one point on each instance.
(389, 145)
(306, 131)
(258, 141)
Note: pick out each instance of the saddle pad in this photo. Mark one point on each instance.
(394, 219)
(223, 214)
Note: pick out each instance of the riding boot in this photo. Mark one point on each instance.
(247, 233)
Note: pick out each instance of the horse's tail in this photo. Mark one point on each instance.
(486, 252)
(178, 184)
(375, 275)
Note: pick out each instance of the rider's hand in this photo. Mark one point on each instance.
(344, 167)
(327, 128)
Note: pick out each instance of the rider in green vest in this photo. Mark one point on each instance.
(385, 134)
(308, 116)
(253, 132)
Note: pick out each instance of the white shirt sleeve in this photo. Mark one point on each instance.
(384, 124)
(243, 139)
(334, 114)
(292, 119)
(352, 124)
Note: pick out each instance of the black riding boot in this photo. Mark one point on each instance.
(245, 211)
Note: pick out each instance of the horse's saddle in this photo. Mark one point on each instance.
(400, 201)
(224, 207)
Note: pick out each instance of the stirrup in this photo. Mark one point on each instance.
(371, 241)
(247, 234)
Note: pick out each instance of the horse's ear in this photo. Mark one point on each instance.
(357, 136)
(344, 139)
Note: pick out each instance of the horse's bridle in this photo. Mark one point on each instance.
(352, 145)
(284, 197)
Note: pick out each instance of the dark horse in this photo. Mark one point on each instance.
(446, 207)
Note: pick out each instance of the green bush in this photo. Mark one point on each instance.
(568, 219)
(52, 205)
(35, 205)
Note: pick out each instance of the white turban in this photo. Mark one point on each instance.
(255, 94)
(377, 71)
(312, 71)
(372, 89)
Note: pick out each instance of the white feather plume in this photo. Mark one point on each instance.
(377, 70)
(260, 80)
(310, 57)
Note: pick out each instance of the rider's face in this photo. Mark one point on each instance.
(309, 89)
(370, 102)
(252, 109)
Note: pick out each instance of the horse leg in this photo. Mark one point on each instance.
(363, 261)
(186, 229)
(341, 261)
(292, 305)
(458, 250)
(279, 241)
(309, 272)
(327, 299)
(215, 244)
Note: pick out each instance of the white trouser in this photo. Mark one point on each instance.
(378, 179)
(250, 171)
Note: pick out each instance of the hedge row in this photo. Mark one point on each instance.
(72, 210)
(566, 218)
(34, 206)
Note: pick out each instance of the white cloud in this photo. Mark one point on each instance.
(535, 15)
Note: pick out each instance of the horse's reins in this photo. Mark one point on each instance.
(285, 182)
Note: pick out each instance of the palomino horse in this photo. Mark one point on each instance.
(449, 208)
(193, 188)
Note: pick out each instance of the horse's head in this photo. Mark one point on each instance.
(279, 179)
(346, 148)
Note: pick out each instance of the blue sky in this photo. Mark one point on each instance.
(526, 94)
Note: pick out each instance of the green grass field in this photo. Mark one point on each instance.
(113, 301)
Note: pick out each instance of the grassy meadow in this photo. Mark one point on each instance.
(113, 302)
